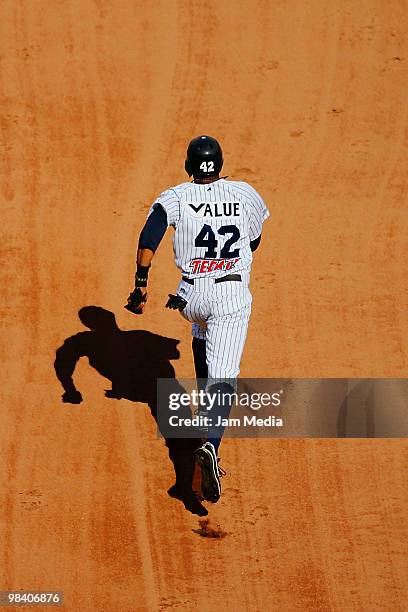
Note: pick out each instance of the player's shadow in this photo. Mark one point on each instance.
(132, 361)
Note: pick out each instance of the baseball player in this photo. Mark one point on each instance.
(217, 226)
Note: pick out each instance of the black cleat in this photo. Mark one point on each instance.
(206, 458)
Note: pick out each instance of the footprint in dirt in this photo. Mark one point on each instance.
(207, 531)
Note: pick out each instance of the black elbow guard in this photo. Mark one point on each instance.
(154, 229)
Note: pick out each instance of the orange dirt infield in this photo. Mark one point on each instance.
(98, 101)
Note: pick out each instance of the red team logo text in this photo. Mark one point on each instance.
(200, 266)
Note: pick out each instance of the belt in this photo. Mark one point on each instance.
(229, 277)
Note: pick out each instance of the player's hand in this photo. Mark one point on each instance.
(176, 302)
(137, 300)
(72, 397)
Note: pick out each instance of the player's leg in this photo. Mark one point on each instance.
(201, 369)
(199, 354)
(225, 339)
(193, 313)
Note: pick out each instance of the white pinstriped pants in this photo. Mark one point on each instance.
(220, 314)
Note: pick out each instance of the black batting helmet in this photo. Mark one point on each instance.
(204, 157)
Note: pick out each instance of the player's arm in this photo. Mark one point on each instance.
(149, 240)
(66, 359)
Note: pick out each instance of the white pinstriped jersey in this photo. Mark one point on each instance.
(214, 224)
